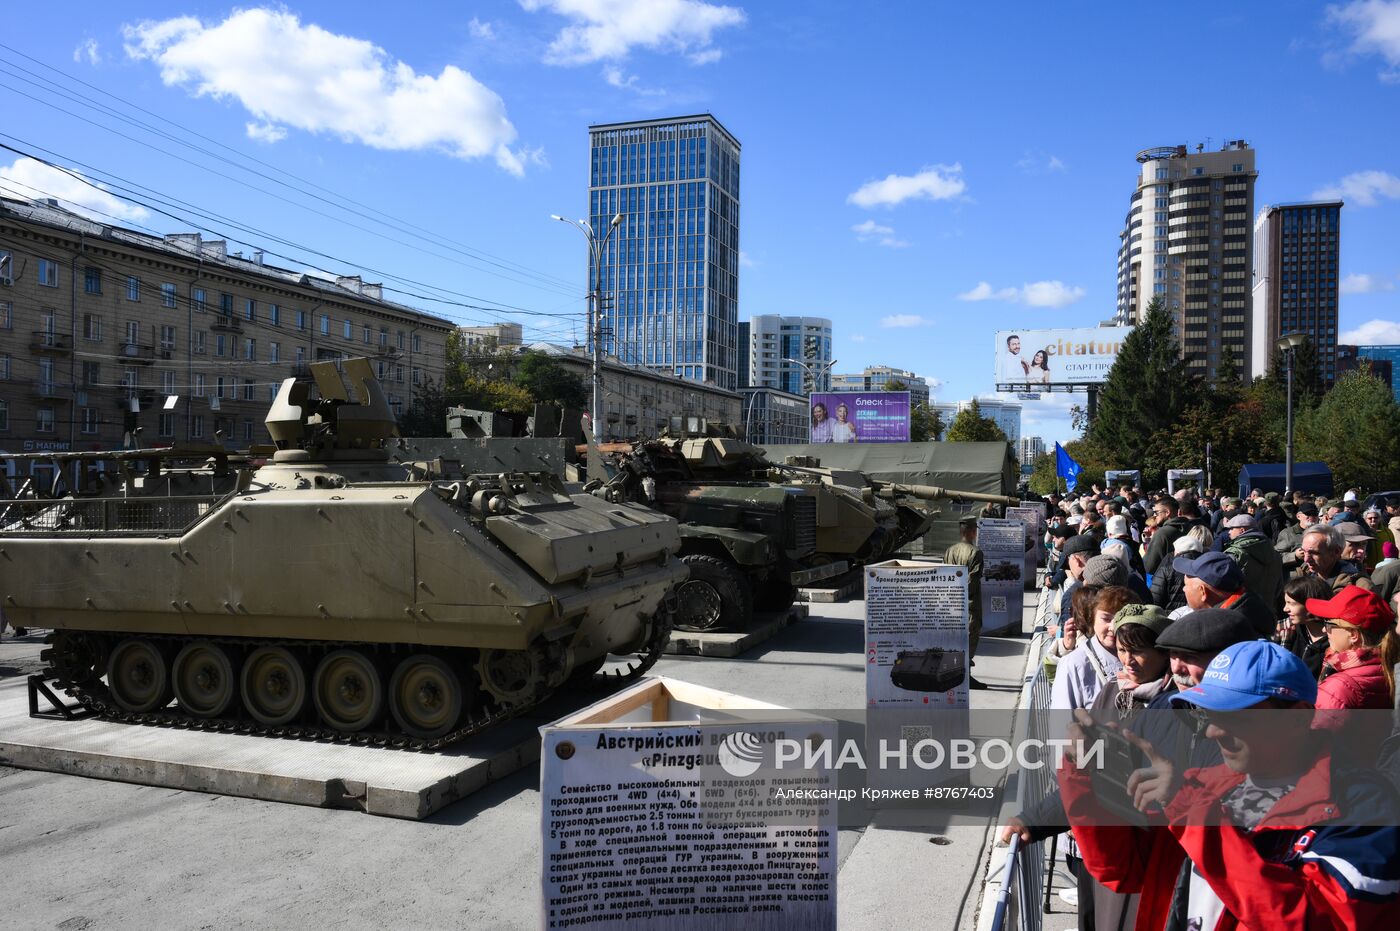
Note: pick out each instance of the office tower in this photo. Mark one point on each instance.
(1029, 449)
(670, 274)
(744, 378)
(878, 378)
(1382, 362)
(783, 350)
(1186, 240)
(1296, 247)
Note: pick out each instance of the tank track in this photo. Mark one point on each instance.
(93, 695)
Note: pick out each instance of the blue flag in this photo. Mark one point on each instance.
(1066, 468)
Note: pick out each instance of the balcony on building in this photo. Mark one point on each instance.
(299, 370)
(50, 341)
(49, 391)
(387, 351)
(228, 323)
(140, 353)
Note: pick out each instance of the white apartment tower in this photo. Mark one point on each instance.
(777, 344)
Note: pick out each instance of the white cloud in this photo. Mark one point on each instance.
(938, 182)
(28, 179)
(1356, 283)
(617, 78)
(903, 320)
(608, 29)
(1372, 333)
(746, 260)
(1375, 29)
(857, 337)
(1035, 294)
(1037, 162)
(1362, 188)
(870, 231)
(87, 51)
(265, 132)
(481, 30)
(287, 74)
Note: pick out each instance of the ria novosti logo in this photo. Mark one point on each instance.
(741, 754)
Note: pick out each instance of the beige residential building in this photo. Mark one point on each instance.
(492, 336)
(1187, 240)
(100, 326)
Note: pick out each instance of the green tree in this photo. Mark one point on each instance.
(427, 414)
(1092, 467)
(548, 382)
(971, 427)
(925, 424)
(1308, 386)
(1355, 429)
(1146, 390)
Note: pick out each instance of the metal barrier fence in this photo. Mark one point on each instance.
(89, 516)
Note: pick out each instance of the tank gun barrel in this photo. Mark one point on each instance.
(937, 492)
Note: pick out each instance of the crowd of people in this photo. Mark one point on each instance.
(1247, 648)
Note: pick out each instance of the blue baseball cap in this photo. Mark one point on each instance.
(1244, 674)
(1218, 570)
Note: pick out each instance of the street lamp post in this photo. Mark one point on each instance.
(807, 367)
(1288, 344)
(596, 250)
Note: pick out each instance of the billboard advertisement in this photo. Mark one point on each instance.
(1036, 358)
(860, 417)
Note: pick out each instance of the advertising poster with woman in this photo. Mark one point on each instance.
(860, 417)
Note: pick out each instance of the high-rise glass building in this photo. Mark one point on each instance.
(776, 344)
(1296, 248)
(670, 277)
(1186, 240)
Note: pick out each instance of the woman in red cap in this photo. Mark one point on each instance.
(1357, 671)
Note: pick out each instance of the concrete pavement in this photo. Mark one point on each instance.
(78, 853)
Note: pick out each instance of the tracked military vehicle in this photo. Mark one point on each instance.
(753, 531)
(331, 592)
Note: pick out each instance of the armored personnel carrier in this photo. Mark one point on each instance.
(753, 531)
(331, 592)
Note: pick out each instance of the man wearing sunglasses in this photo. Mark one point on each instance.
(1276, 836)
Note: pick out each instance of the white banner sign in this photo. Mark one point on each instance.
(1033, 359)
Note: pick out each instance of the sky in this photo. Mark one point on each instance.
(924, 174)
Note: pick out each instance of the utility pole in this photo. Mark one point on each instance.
(1288, 345)
(596, 250)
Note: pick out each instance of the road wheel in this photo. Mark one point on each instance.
(347, 691)
(274, 686)
(138, 676)
(203, 679)
(425, 696)
(715, 597)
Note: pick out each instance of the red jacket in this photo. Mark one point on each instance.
(1297, 869)
(1357, 680)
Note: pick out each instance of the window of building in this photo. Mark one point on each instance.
(4, 416)
(218, 386)
(166, 425)
(398, 374)
(366, 333)
(349, 330)
(92, 327)
(199, 342)
(301, 320)
(197, 425)
(247, 430)
(4, 366)
(226, 304)
(250, 309)
(167, 337)
(7, 315)
(92, 374)
(384, 337)
(48, 273)
(90, 420)
(133, 288)
(167, 294)
(1237, 167)
(274, 315)
(199, 384)
(249, 388)
(274, 352)
(198, 297)
(46, 374)
(415, 375)
(1161, 174)
(220, 346)
(167, 383)
(133, 332)
(401, 339)
(92, 280)
(417, 343)
(250, 348)
(7, 267)
(301, 355)
(325, 325)
(1198, 171)
(43, 420)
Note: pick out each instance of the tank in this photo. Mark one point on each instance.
(753, 531)
(326, 590)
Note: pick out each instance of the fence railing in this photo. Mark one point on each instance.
(155, 516)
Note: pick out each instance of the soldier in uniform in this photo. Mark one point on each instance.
(966, 553)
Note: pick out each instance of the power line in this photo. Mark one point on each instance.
(338, 202)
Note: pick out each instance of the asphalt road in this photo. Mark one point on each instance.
(79, 853)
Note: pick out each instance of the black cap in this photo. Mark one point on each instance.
(1063, 531)
(1081, 543)
(1208, 630)
(1308, 508)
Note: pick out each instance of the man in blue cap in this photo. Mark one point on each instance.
(1276, 836)
(1215, 580)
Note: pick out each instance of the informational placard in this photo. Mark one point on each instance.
(860, 417)
(916, 635)
(1003, 545)
(681, 826)
(1032, 517)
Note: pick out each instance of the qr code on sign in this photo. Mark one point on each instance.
(998, 602)
(913, 733)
